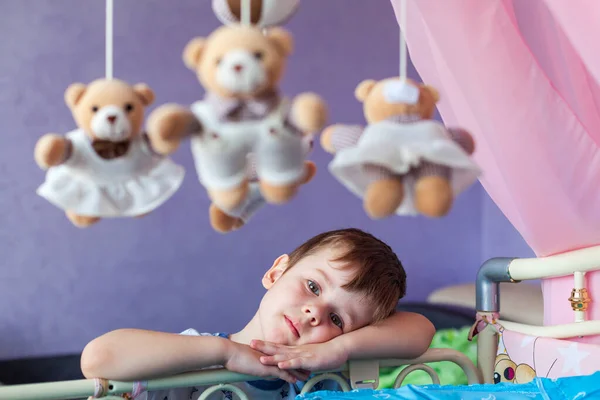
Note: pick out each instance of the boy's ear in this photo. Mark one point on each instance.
(274, 273)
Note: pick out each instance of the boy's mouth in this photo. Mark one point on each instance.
(290, 325)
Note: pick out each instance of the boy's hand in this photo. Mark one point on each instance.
(244, 360)
(311, 357)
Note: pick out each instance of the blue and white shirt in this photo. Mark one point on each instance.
(259, 389)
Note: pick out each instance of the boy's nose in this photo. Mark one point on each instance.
(313, 315)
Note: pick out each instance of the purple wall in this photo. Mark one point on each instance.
(498, 237)
(61, 286)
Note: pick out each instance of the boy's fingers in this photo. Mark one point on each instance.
(268, 360)
(273, 360)
(303, 375)
(294, 363)
(298, 375)
(285, 375)
(265, 347)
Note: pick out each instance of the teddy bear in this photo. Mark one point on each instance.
(403, 162)
(106, 167)
(507, 370)
(242, 113)
(263, 13)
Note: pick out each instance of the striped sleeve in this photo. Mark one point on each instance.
(345, 136)
(463, 138)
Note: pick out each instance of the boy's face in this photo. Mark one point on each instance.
(307, 304)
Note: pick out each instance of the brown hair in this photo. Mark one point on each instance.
(380, 274)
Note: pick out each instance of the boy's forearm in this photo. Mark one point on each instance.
(131, 354)
(403, 335)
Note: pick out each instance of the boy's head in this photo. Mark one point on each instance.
(334, 283)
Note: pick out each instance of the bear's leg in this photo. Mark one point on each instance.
(283, 193)
(311, 170)
(81, 221)
(384, 195)
(231, 198)
(433, 192)
(278, 194)
(222, 222)
(280, 162)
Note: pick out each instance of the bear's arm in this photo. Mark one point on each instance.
(344, 136)
(463, 138)
(53, 149)
(69, 150)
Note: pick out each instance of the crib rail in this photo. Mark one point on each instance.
(363, 374)
(583, 260)
(563, 331)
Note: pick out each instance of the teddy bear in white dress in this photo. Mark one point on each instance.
(106, 167)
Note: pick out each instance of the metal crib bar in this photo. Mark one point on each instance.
(78, 389)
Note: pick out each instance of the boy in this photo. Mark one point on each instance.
(330, 300)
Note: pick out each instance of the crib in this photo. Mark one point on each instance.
(364, 374)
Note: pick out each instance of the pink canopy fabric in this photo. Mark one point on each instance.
(524, 77)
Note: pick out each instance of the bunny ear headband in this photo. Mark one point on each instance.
(272, 12)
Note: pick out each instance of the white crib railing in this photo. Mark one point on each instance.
(575, 263)
(361, 374)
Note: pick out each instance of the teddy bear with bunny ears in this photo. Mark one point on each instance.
(242, 115)
(107, 166)
(402, 162)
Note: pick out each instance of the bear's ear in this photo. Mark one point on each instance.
(363, 89)
(282, 39)
(501, 357)
(74, 93)
(433, 92)
(193, 52)
(145, 93)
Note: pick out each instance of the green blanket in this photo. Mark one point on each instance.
(448, 372)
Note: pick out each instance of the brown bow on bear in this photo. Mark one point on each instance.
(110, 150)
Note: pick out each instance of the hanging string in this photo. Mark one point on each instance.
(246, 18)
(402, 40)
(109, 39)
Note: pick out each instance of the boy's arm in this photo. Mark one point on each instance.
(134, 355)
(403, 335)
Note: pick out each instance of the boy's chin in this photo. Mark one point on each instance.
(278, 337)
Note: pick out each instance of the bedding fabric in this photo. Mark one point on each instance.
(570, 388)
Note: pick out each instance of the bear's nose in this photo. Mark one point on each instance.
(112, 118)
(238, 67)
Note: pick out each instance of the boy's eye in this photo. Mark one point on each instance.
(313, 287)
(337, 320)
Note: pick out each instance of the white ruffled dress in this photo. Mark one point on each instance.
(399, 147)
(127, 186)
